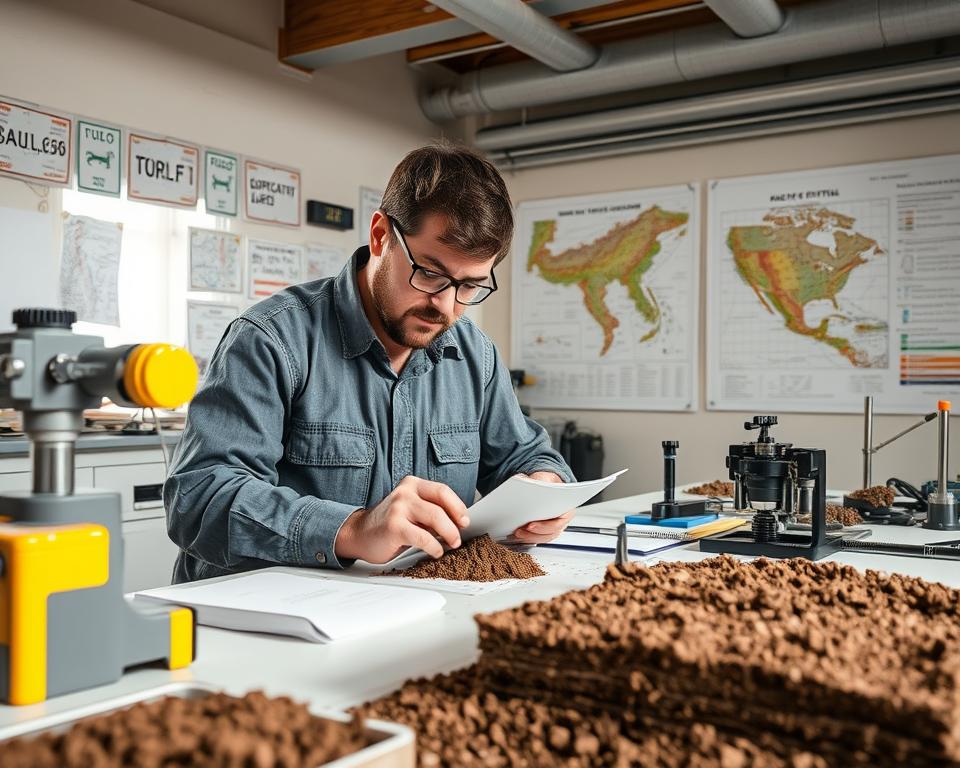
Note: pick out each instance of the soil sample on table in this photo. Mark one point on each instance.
(836, 514)
(460, 725)
(857, 668)
(718, 488)
(876, 496)
(480, 559)
(216, 730)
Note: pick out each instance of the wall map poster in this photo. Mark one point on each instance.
(605, 299)
(832, 284)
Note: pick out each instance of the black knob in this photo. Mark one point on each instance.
(40, 317)
(670, 447)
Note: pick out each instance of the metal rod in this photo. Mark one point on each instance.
(943, 450)
(867, 440)
(53, 467)
(909, 550)
(929, 417)
(622, 556)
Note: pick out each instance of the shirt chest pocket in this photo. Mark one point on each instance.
(454, 457)
(337, 458)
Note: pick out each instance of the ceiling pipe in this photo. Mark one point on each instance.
(763, 99)
(748, 18)
(520, 26)
(811, 31)
(732, 129)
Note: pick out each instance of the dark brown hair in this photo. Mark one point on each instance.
(454, 181)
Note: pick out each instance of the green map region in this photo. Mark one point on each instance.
(786, 272)
(622, 254)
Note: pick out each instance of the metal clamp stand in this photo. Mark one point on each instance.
(670, 507)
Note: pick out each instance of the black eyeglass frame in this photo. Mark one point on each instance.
(451, 281)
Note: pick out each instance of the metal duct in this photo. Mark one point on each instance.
(729, 130)
(748, 18)
(811, 31)
(857, 85)
(517, 24)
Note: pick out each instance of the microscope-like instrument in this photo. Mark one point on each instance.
(64, 623)
(776, 482)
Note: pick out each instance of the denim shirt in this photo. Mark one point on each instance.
(301, 420)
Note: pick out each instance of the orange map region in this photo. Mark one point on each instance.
(622, 254)
(787, 272)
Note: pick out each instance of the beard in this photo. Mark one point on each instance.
(395, 326)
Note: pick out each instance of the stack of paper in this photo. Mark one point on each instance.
(298, 602)
(638, 546)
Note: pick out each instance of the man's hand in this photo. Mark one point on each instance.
(542, 531)
(413, 514)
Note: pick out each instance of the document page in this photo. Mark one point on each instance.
(514, 503)
(337, 609)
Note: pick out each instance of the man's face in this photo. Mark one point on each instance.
(411, 317)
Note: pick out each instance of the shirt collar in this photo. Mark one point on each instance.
(356, 333)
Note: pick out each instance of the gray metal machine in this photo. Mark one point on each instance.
(64, 624)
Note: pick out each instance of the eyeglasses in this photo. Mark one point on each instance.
(428, 281)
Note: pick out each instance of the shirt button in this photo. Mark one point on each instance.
(321, 558)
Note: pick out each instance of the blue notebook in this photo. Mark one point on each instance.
(671, 522)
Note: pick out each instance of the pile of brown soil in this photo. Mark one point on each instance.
(214, 731)
(459, 725)
(480, 559)
(836, 514)
(858, 668)
(718, 488)
(875, 496)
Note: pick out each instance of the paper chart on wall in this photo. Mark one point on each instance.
(215, 261)
(369, 203)
(272, 267)
(206, 323)
(89, 266)
(322, 261)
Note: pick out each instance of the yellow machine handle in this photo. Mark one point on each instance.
(160, 376)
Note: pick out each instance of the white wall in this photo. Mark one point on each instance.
(632, 439)
(123, 62)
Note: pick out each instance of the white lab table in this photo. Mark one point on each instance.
(342, 674)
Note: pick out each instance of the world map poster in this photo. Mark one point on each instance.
(605, 296)
(829, 285)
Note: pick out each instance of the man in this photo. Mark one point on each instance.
(352, 417)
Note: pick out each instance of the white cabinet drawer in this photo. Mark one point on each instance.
(148, 554)
(139, 486)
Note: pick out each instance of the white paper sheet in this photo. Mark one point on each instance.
(89, 266)
(215, 261)
(260, 601)
(521, 500)
(374, 575)
(514, 503)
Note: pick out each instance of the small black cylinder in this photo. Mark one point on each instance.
(669, 468)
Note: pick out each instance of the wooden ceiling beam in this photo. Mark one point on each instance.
(310, 25)
(588, 16)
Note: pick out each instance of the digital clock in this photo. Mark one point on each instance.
(329, 215)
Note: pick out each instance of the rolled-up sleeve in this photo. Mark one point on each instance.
(223, 504)
(511, 442)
